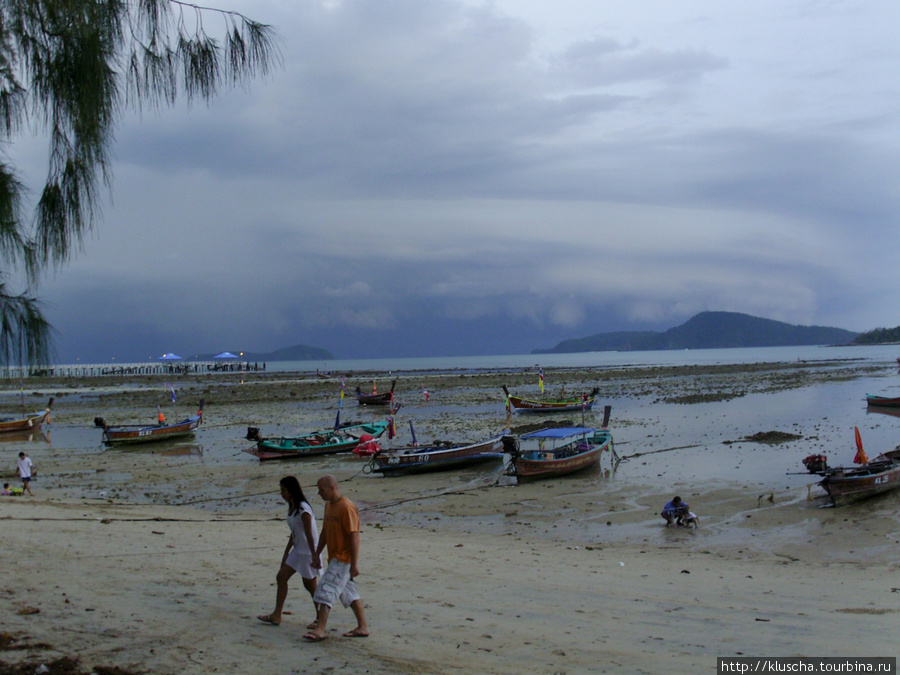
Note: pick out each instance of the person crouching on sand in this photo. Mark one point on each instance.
(673, 511)
(298, 554)
(340, 532)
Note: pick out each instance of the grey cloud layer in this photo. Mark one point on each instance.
(433, 161)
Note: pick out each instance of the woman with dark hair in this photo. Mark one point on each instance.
(298, 553)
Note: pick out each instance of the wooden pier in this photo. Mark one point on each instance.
(125, 369)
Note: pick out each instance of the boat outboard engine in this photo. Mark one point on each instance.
(99, 422)
(252, 433)
(510, 445)
(815, 463)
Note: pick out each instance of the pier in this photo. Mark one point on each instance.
(124, 369)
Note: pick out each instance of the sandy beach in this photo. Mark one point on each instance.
(157, 560)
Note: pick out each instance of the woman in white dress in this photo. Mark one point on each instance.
(299, 550)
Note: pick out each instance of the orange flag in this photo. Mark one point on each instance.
(860, 453)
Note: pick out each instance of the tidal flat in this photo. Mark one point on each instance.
(464, 571)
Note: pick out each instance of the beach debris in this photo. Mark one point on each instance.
(769, 498)
(768, 437)
(24, 611)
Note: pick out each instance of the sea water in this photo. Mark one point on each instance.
(665, 444)
(685, 357)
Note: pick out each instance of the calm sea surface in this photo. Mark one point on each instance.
(886, 353)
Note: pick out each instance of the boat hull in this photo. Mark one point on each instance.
(377, 399)
(849, 485)
(525, 405)
(882, 401)
(428, 459)
(374, 399)
(28, 421)
(316, 444)
(135, 434)
(570, 405)
(577, 456)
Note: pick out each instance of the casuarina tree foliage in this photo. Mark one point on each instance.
(69, 70)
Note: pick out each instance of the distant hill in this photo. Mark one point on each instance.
(295, 353)
(709, 330)
(879, 336)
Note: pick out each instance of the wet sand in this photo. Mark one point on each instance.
(158, 559)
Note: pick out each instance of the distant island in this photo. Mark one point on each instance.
(295, 353)
(708, 330)
(879, 336)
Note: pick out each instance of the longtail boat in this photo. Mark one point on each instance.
(25, 422)
(844, 485)
(376, 399)
(557, 451)
(882, 401)
(145, 433)
(869, 478)
(519, 404)
(436, 457)
(341, 439)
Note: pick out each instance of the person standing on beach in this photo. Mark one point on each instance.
(340, 533)
(298, 554)
(25, 472)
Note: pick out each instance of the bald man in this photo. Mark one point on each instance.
(340, 533)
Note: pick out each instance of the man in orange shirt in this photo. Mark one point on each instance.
(340, 532)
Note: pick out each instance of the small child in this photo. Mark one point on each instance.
(688, 518)
(11, 491)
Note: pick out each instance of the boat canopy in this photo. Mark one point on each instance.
(560, 432)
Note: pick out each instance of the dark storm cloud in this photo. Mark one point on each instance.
(443, 164)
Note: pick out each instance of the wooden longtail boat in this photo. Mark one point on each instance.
(436, 457)
(519, 404)
(376, 399)
(329, 441)
(847, 484)
(145, 433)
(882, 401)
(27, 422)
(557, 451)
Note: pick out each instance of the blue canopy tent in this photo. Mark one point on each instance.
(225, 355)
(169, 356)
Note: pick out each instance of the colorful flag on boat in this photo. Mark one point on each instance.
(172, 389)
(392, 431)
(412, 432)
(341, 399)
(584, 400)
(541, 379)
(860, 453)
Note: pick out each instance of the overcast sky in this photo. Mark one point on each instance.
(443, 177)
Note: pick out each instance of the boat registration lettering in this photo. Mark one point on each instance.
(393, 460)
(882, 479)
(144, 432)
